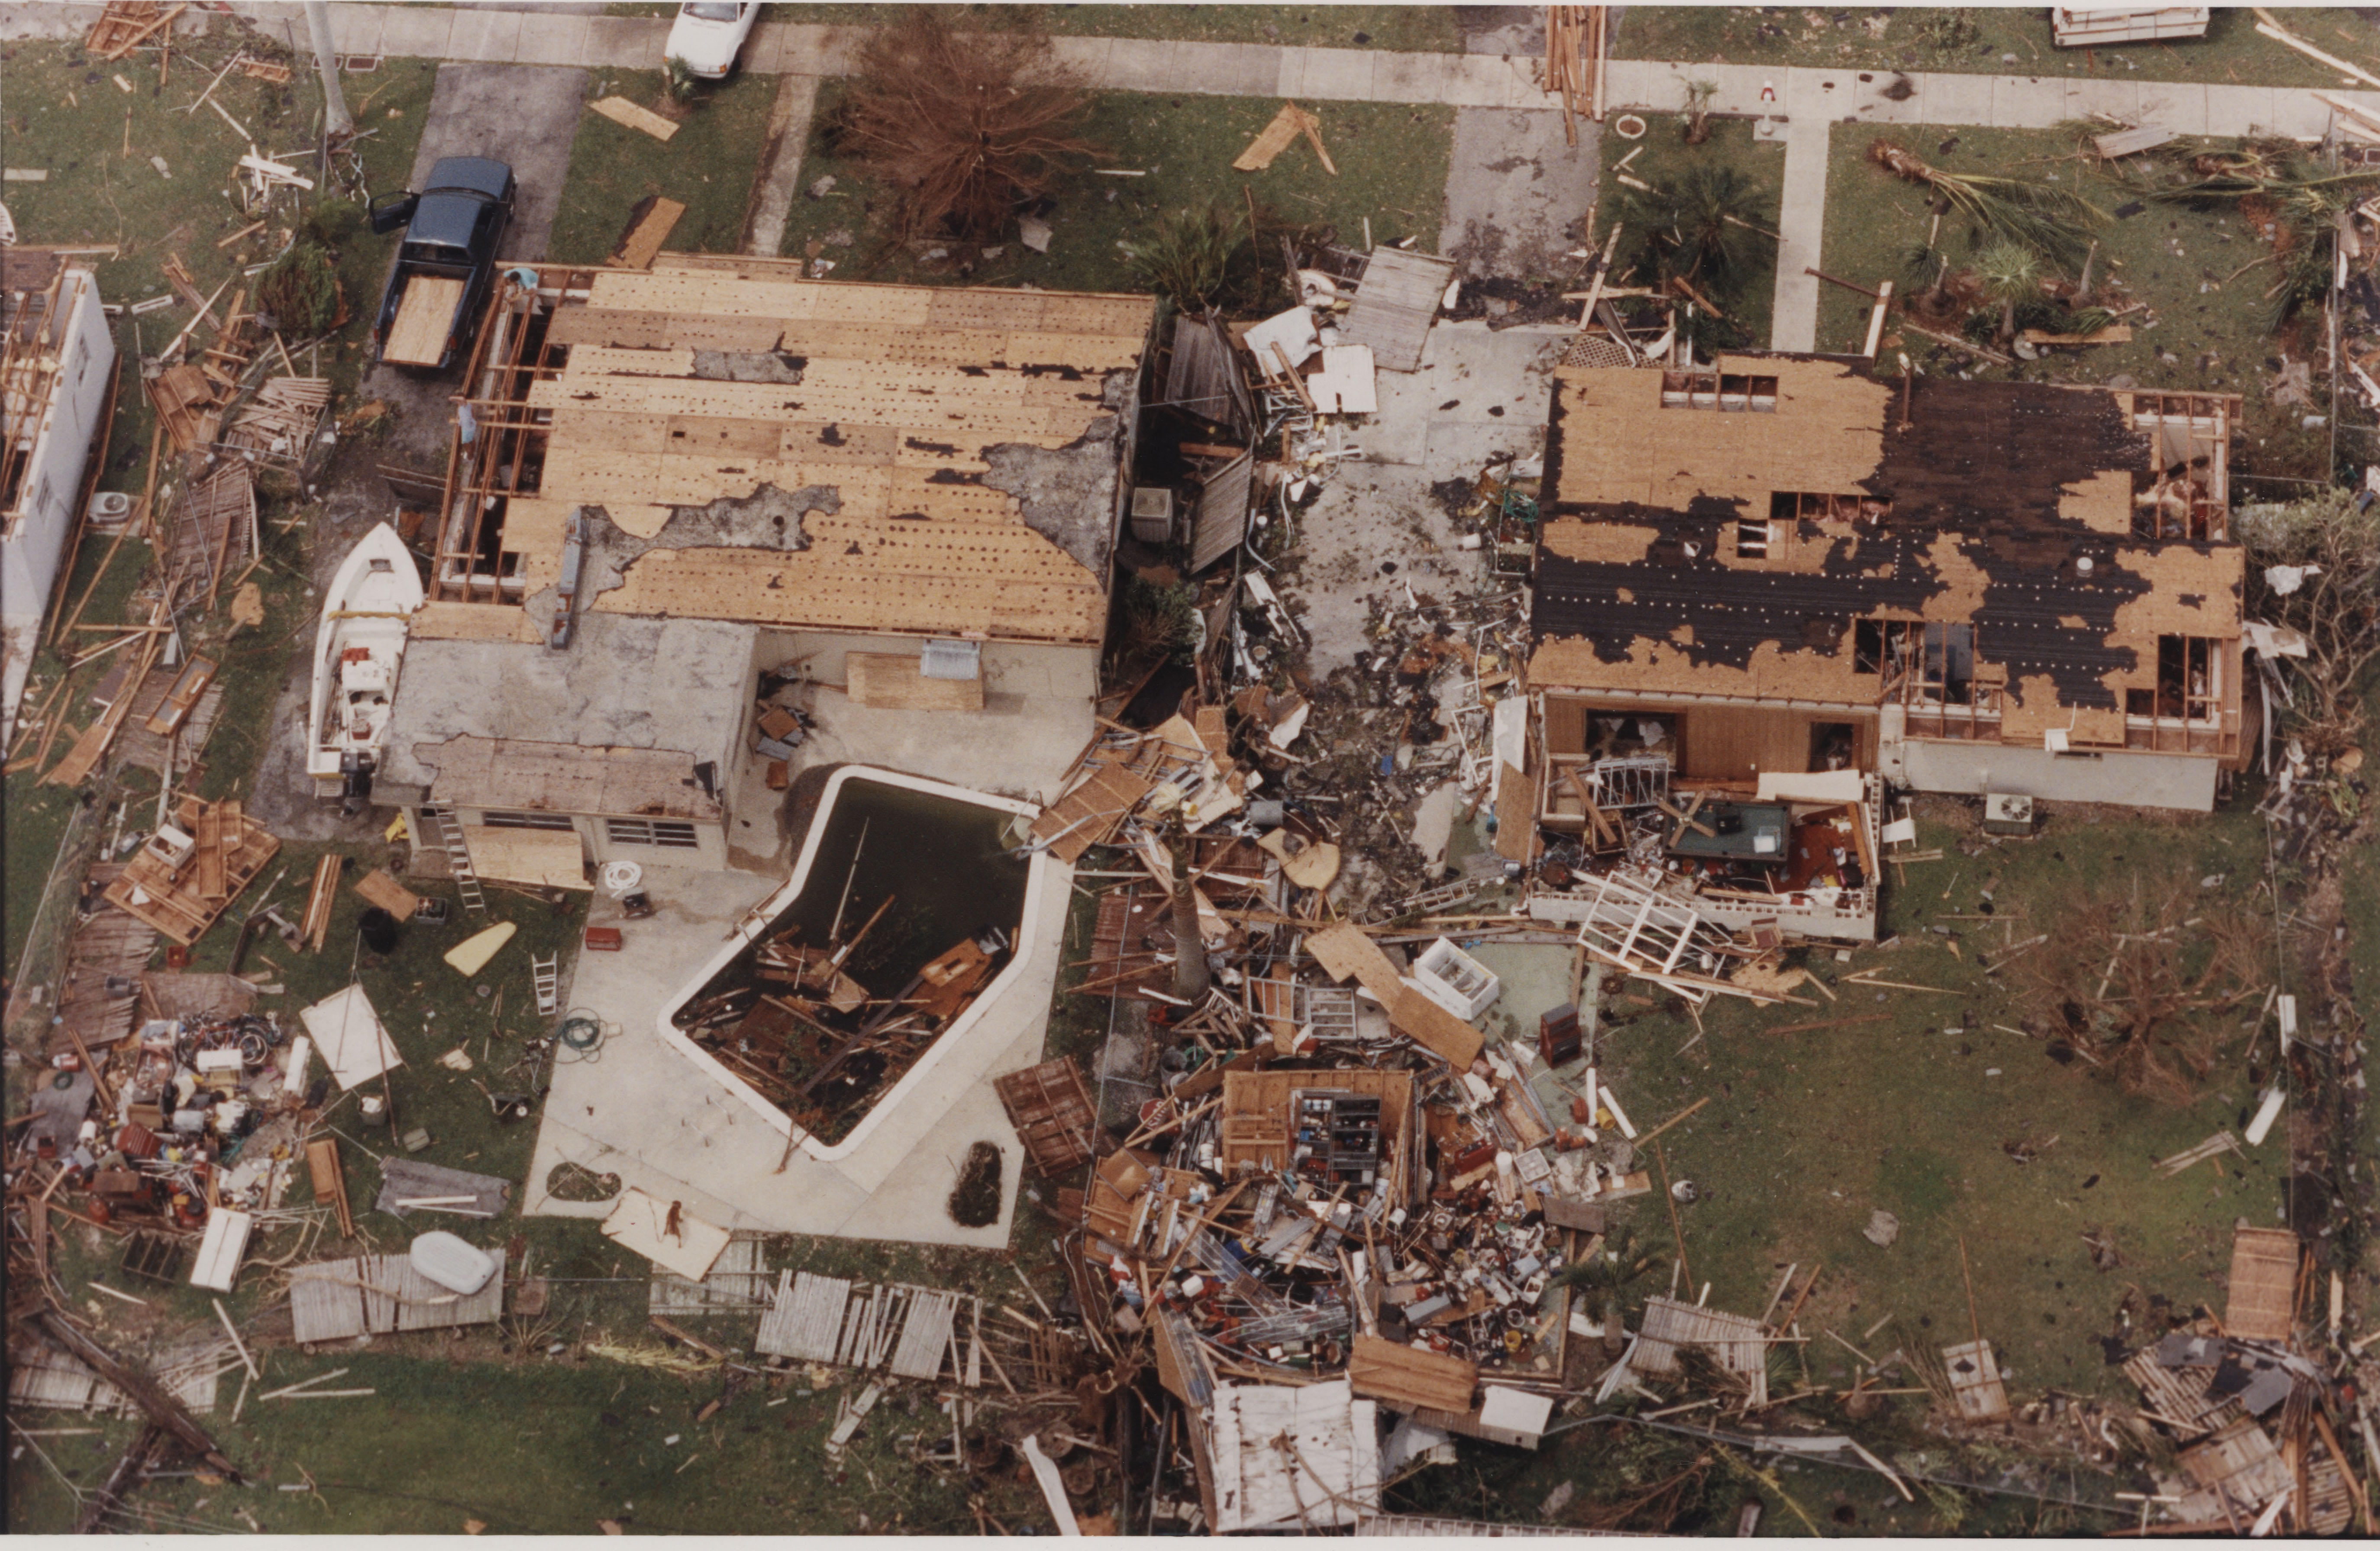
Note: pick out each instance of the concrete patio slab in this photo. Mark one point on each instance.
(662, 1119)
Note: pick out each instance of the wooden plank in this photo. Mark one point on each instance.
(926, 1336)
(1275, 138)
(180, 699)
(648, 226)
(424, 319)
(378, 887)
(2262, 1284)
(890, 681)
(1405, 1378)
(320, 901)
(621, 111)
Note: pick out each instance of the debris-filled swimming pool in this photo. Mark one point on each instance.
(902, 911)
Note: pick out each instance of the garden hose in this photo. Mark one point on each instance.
(581, 1033)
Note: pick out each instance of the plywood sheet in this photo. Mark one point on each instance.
(1343, 949)
(665, 1234)
(425, 316)
(348, 1032)
(540, 858)
(890, 681)
(1415, 1016)
(653, 221)
(621, 111)
(467, 621)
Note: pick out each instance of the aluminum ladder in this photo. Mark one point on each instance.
(458, 856)
(547, 974)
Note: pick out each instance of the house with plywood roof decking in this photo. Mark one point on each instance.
(674, 483)
(1792, 564)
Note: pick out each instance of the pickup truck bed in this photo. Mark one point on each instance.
(423, 319)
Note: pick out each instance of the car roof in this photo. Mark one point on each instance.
(477, 175)
(444, 217)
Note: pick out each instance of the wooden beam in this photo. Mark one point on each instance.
(143, 1391)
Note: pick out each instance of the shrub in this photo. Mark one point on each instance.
(302, 291)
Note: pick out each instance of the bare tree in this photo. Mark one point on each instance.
(964, 125)
(2313, 566)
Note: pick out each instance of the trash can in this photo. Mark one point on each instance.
(378, 928)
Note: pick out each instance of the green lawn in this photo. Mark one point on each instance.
(1658, 158)
(708, 165)
(1808, 1132)
(1982, 39)
(1391, 161)
(1402, 29)
(66, 115)
(2208, 329)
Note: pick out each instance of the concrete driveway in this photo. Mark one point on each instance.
(526, 114)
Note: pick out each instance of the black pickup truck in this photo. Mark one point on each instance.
(445, 262)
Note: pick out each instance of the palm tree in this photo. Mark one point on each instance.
(2044, 219)
(2310, 203)
(1703, 227)
(2010, 272)
(1699, 95)
(1609, 1273)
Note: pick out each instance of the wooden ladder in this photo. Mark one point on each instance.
(458, 858)
(547, 972)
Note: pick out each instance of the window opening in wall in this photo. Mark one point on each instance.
(1751, 539)
(1714, 389)
(1930, 667)
(2185, 491)
(1786, 506)
(654, 832)
(528, 821)
(1834, 746)
(1631, 734)
(2189, 682)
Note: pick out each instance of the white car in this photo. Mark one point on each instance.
(708, 33)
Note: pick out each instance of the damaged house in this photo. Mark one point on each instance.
(1790, 565)
(678, 496)
(57, 372)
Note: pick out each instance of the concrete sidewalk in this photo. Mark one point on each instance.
(1322, 75)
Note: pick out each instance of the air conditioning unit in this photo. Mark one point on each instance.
(1152, 515)
(108, 510)
(2007, 814)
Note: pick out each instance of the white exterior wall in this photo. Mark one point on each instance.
(61, 437)
(1029, 670)
(2132, 778)
(708, 853)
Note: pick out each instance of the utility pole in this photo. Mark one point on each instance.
(336, 123)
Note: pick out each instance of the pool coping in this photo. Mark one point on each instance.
(761, 916)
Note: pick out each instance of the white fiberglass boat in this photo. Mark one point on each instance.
(357, 653)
